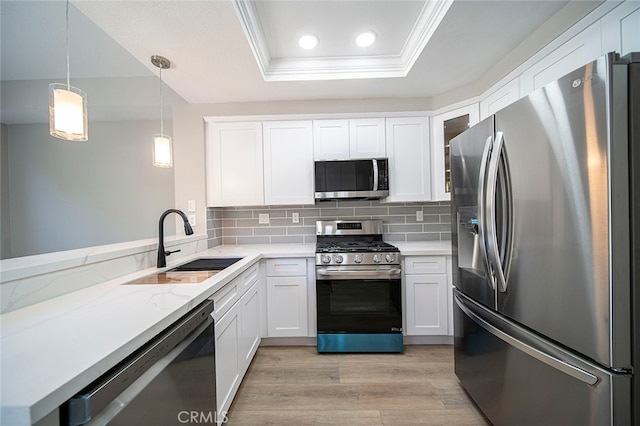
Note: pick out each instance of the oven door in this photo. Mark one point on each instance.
(351, 301)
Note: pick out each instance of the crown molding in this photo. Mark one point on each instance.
(337, 68)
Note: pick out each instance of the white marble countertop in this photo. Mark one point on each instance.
(51, 350)
(424, 248)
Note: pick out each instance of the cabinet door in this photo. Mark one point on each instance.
(331, 139)
(288, 162)
(249, 338)
(426, 302)
(367, 138)
(234, 164)
(228, 375)
(581, 49)
(287, 306)
(504, 96)
(446, 126)
(409, 159)
(620, 29)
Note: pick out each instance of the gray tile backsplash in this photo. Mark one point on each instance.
(239, 225)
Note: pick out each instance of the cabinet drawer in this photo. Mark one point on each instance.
(425, 265)
(224, 298)
(249, 277)
(286, 267)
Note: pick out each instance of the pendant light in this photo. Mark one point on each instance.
(162, 144)
(67, 105)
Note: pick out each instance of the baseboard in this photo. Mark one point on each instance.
(428, 340)
(288, 341)
(311, 341)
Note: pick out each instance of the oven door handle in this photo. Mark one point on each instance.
(333, 274)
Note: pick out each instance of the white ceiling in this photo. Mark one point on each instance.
(213, 61)
(402, 27)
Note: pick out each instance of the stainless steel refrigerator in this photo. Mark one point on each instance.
(545, 236)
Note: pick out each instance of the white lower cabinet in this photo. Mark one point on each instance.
(426, 295)
(237, 334)
(228, 376)
(249, 338)
(287, 297)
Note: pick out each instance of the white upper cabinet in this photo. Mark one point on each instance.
(331, 139)
(446, 126)
(367, 138)
(409, 155)
(288, 162)
(234, 164)
(504, 96)
(620, 29)
(349, 138)
(581, 49)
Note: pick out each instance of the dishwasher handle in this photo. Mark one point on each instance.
(85, 405)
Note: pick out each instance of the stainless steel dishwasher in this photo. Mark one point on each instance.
(169, 381)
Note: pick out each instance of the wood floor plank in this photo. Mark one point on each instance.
(297, 386)
(337, 397)
(295, 373)
(385, 373)
(435, 417)
(310, 418)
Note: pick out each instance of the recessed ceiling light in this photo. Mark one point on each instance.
(308, 41)
(366, 39)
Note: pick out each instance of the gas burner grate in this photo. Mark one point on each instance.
(353, 247)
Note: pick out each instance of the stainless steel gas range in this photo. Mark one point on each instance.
(358, 288)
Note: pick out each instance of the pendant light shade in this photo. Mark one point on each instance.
(68, 105)
(162, 151)
(162, 144)
(67, 112)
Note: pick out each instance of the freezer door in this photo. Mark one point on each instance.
(518, 379)
(561, 282)
(469, 161)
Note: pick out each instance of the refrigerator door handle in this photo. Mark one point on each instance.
(490, 220)
(551, 361)
(482, 210)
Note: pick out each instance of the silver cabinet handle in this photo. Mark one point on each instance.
(550, 360)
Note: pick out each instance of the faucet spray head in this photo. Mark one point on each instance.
(188, 230)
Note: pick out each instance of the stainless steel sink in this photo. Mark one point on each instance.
(194, 272)
(208, 264)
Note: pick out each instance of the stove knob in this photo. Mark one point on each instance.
(326, 258)
(357, 258)
(338, 258)
(377, 258)
(389, 258)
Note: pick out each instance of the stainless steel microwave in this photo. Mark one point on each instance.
(345, 179)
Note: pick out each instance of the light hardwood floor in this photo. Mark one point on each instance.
(295, 385)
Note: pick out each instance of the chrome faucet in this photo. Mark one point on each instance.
(162, 253)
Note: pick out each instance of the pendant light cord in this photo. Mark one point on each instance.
(67, 44)
(161, 116)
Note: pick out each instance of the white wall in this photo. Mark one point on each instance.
(66, 195)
